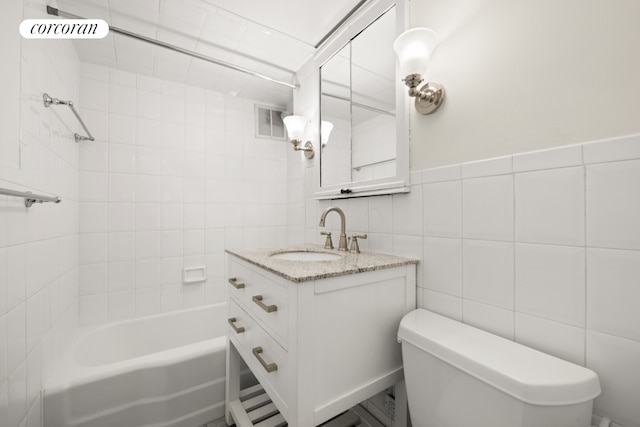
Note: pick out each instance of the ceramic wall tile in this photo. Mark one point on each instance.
(443, 209)
(40, 246)
(93, 309)
(441, 174)
(442, 265)
(122, 246)
(167, 160)
(122, 129)
(488, 272)
(407, 212)
(121, 305)
(121, 216)
(555, 338)
(489, 318)
(561, 157)
(549, 206)
(550, 282)
(444, 304)
(487, 208)
(381, 214)
(94, 94)
(122, 100)
(613, 205)
(612, 150)
(488, 167)
(122, 276)
(95, 157)
(613, 292)
(615, 360)
(147, 301)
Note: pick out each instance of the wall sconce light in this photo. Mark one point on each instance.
(325, 131)
(413, 48)
(295, 129)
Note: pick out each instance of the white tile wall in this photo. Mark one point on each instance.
(487, 208)
(613, 292)
(177, 176)
(550, 282)
(442, 209)
(616, 362)
(488, 317)
(540, 247)
(488, 272)
(550, 206)
(556, 338)
(612, 215)
(442, 265)
(39, 246)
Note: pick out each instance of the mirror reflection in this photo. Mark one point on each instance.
(358, 96)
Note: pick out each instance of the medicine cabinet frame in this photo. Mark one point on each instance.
(398, 183)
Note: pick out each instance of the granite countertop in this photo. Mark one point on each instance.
(302, 271)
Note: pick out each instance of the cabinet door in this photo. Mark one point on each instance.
(354, 321)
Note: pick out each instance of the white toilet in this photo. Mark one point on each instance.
(460, 376)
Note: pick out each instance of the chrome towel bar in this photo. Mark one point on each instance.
(47, 100)
(29, 197)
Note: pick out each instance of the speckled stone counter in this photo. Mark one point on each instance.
(302, 271)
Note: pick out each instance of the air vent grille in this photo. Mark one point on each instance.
(269, 122)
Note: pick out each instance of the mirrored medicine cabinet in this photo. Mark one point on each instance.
(367, 152)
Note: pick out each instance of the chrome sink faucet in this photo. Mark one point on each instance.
(342, 245)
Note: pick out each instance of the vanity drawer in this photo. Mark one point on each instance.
(241, 326)
(239, 277)
(264, 298)
(266, 358)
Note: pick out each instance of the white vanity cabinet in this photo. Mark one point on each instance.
(318, 346)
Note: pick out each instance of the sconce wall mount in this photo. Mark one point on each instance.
(413, 48)
(307, 147)
(295, 129)
(429, 97)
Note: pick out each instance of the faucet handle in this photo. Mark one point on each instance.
(355, 248)
(328, 244)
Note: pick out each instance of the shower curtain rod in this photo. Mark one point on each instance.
(57, 12)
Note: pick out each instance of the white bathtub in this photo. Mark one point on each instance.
(162, 371)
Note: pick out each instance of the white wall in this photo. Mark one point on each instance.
(38, 245)
(541, 247)
(175, 177)
(526, 75)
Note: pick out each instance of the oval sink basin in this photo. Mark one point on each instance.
(305, 256)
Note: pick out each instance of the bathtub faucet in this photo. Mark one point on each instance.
(342, 246)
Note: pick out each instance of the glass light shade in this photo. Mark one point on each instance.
(325, 131)
(413, 48)
(295, 126)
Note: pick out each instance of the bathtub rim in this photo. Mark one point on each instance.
(68, 373)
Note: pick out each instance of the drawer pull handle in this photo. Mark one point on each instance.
(234, 282)
(268, 308)
(232, 323)
(269, 367)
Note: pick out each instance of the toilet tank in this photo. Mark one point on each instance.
(458, 375)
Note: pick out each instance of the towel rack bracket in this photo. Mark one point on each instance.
(48, 101)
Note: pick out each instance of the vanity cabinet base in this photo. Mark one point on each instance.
(339, 346)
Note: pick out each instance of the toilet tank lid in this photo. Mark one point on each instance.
(528, 375)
